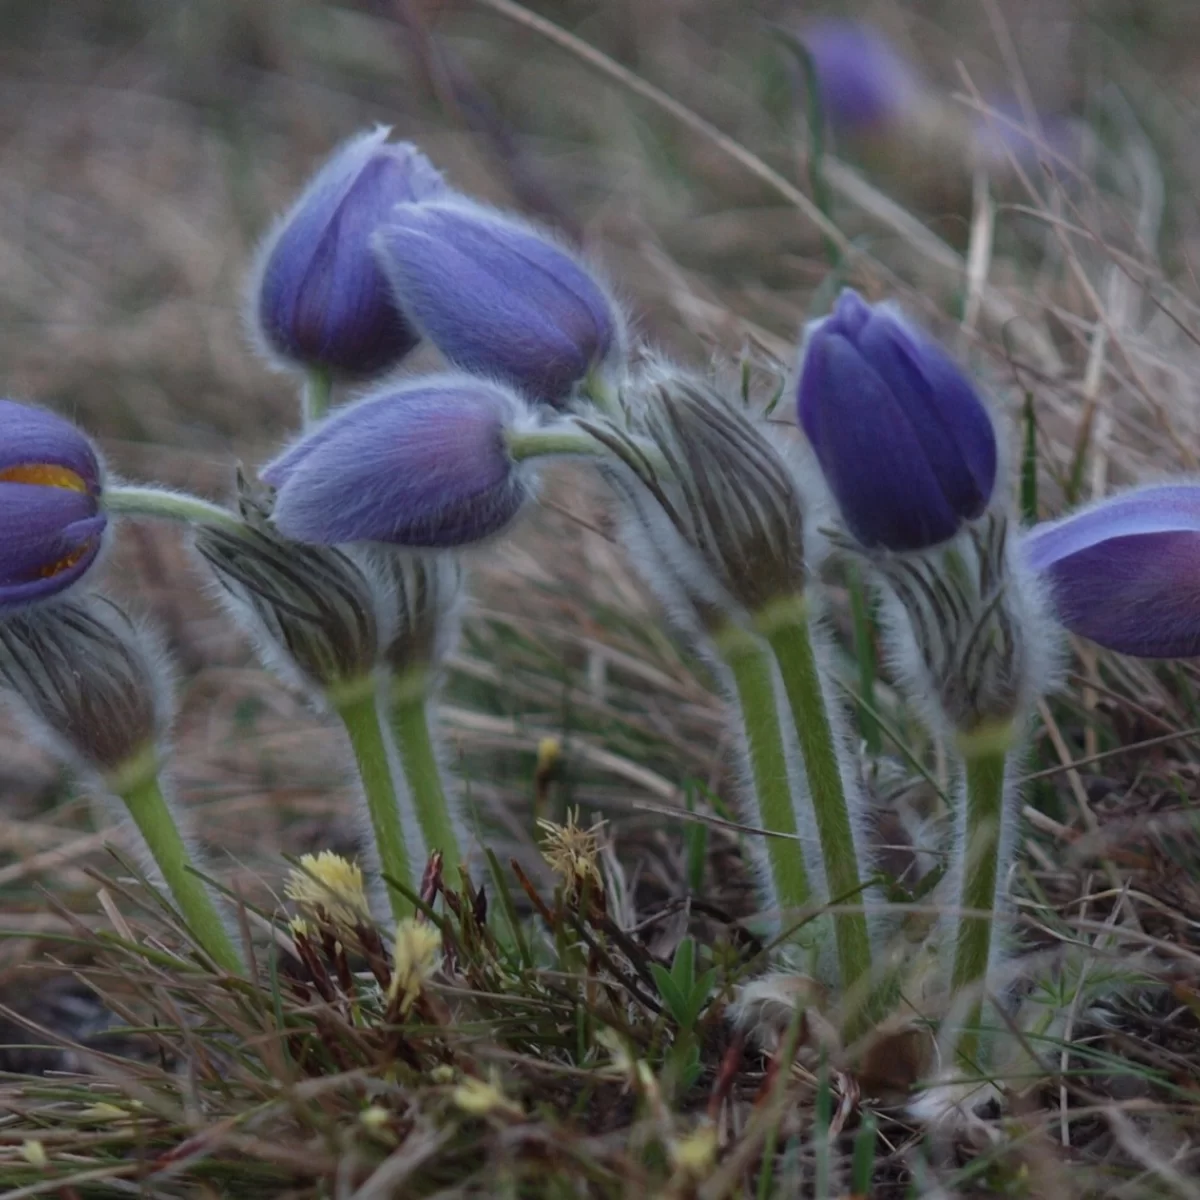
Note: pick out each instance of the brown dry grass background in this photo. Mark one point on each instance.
(144, 146)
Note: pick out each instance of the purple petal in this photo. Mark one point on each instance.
(872, 459)
(31, 436)
(943, 406)
(51, 537)
(423, 466)
(1138, 595)
(322, 299)
(498, 298)
(1159, 508)
(1126, 572)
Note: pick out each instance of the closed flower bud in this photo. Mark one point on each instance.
(320, 300)
(727, 516)
(423, 465)
(978, 643)
(498, 298)
(865, 85)
(904, 442)
(89, 677)
(311, 610)
(423, 595)
(50, 484)
(1126, 572)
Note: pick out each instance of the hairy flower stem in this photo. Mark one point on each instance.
(606, 399)
(316, 396)
(750, 666)
(785, 625)
(410, 725)
(141, 792)
(168, 506)
(984, 757)
(357, 704)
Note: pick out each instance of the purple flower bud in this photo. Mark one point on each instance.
(423, 465)
(498, 298)
(320, 299)
(51, 526)
(864, 82)
(1126, 572)
(903, 439)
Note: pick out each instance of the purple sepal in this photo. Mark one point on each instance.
(321, 299)
(1125, 573)
(425, 465)
(497, 297)
(865, 83)
(31, 436)
(902, 437)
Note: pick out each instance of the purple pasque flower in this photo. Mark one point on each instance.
(1126, 571)
(900, 432)
(51, 526)
(865, 84)
(499, 298)
(319, 298)
(424, 464)
(1002, 134)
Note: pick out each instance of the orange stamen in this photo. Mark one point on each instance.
(64, 564)
(45, 474)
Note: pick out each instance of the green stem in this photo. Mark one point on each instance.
(537, 443)
(984, 760)
(169, 506)
(566, 438)
(410, 724)
(605, 398)
(316, 397)
(785, 625)
(140, 790)
(749, 664)
(864, 652)
(357, 705)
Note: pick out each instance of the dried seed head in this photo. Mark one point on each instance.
(725, 515)
(311, 610)
(573, 853)
(89, 677)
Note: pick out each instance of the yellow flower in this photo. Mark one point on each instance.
(443, 1073)
(415, 957)
(329, 889)
(695, 1154)
(548, 753)
(571, 852)
(34, 1153)
(103, 1113)
(374, 1117)
(478, 1098)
